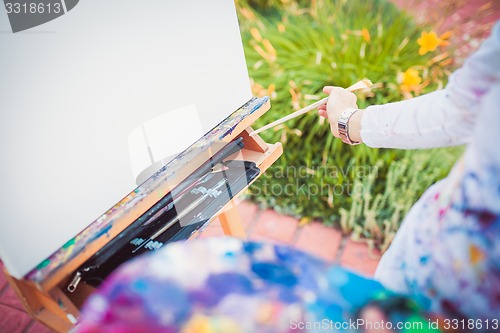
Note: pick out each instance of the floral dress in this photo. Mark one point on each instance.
(448, 247)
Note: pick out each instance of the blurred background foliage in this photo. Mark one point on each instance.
(294, 48)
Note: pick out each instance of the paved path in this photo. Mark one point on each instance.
(315, 238)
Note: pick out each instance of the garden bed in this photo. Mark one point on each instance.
(293, 49)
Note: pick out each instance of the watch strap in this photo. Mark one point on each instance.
(343, 126)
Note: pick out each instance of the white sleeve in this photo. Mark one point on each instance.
(443, 118)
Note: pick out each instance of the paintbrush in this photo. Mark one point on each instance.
(365, 83)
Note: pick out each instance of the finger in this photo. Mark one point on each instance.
(334, 129)
(336, 91)
(322, 107)
(341, 95)
(334, 95)
(327, 89)
(323, 113)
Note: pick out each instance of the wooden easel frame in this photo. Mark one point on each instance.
(48, 303)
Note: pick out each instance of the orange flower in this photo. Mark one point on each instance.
(428, 41)
(281, 27)
(271, 91)
(410, 80)
(258, 90)
(366, 34)
(271, 88)
(262, 53)
(446, 35)
(304, 221)
(255, 34)
(248, 14)
(269, 48)
(444, 38)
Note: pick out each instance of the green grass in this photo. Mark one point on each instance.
(305, 46)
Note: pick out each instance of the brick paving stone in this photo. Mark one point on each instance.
(359, 258)
(248, 212)
(13, 320)
(208, 233)
(274, 226)
(264, 239)
(319, 240)
(212, 231)
(9, 298)
(36, 327)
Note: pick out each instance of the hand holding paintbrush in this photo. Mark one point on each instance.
(365, 83)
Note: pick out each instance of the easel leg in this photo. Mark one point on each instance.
(40, 306)
(231, 223)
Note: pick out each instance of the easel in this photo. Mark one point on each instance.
(49, 303)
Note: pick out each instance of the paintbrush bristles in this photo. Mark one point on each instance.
(363, 84)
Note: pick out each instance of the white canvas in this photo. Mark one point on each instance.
(73, 93)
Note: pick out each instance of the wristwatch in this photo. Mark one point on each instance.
(343, 126)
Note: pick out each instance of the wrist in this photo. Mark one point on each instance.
(355, 126)
(348, 126)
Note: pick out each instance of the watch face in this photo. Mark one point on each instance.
(343, 126)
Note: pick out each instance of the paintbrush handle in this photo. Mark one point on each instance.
(358, 85)
(291, 116)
